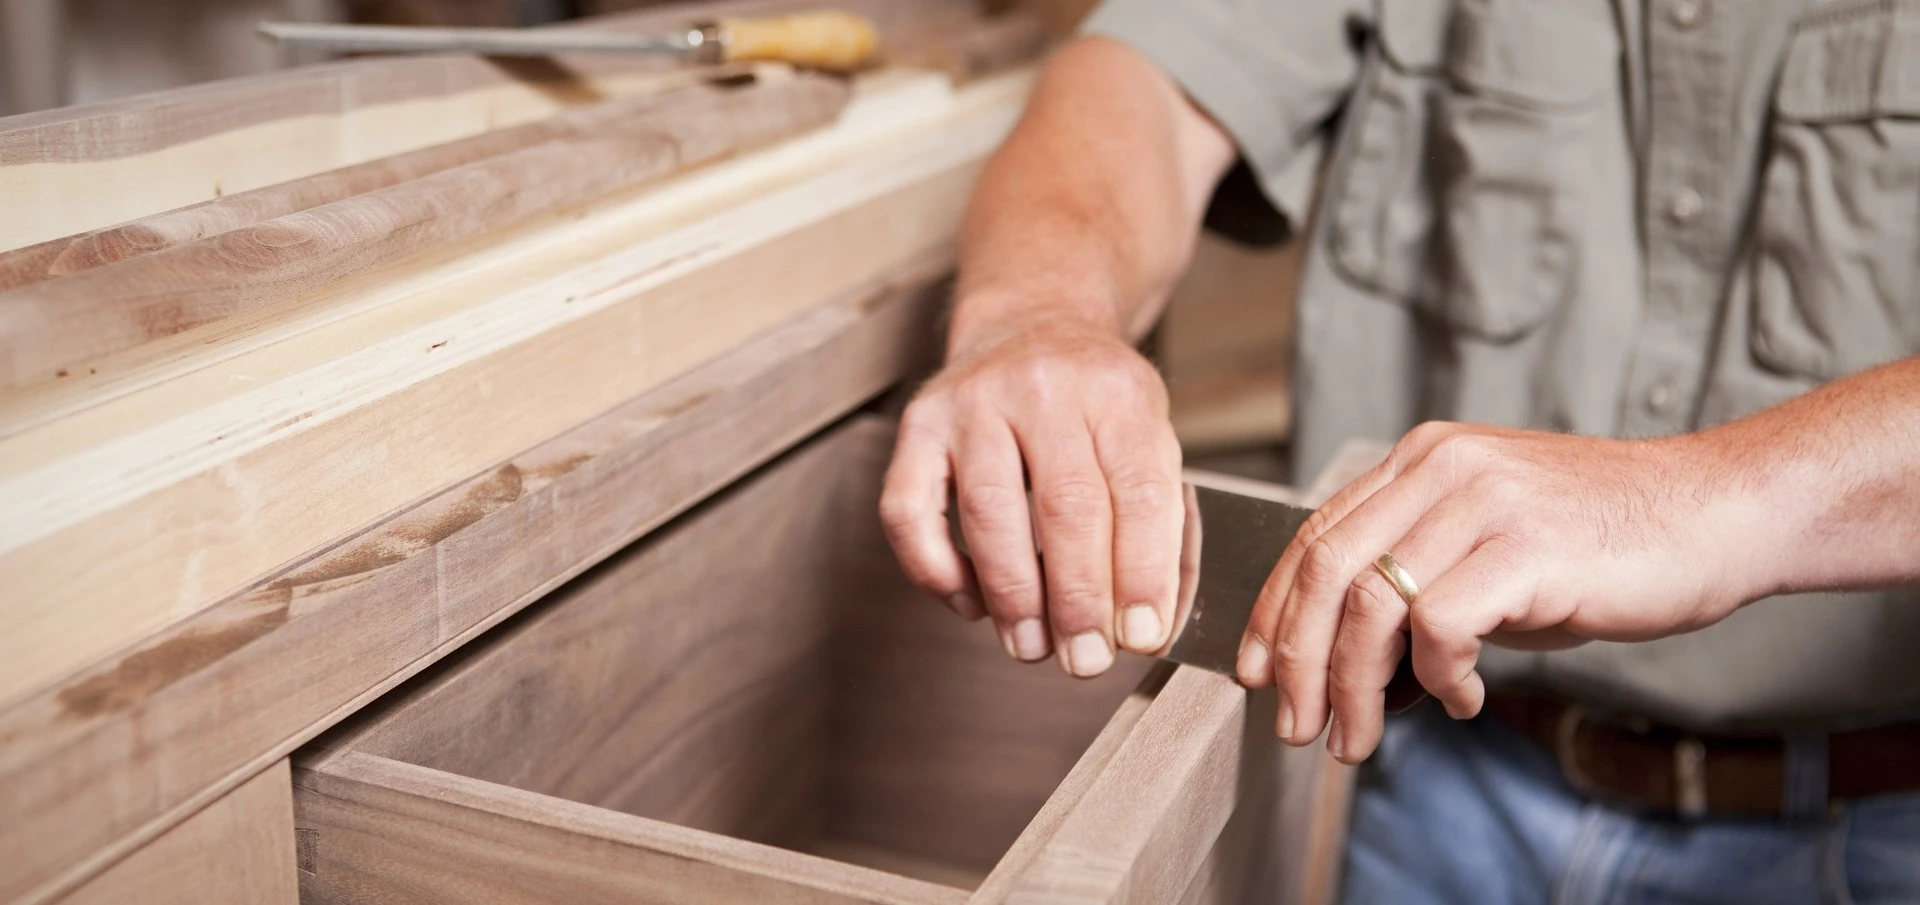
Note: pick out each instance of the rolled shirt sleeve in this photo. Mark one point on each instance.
(1270, 72)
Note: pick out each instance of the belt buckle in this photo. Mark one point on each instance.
(1565, 730)
(1689, 764)
(1690, 778)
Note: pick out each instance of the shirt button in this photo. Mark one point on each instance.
(1684, 206)
(1663, 397)
(1687, 13)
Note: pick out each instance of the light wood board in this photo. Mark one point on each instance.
(394, 832)
(196, 485)
(82, 168)
(216, 697)
(239, 849)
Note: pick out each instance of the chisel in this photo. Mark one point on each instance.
(828, 39)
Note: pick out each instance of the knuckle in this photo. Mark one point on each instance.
(1427, 433)
(1433, 624)
(1464, 451)
(1325, 565)
(1288, 658)
(1317, 524)
(900, 511)
(1136, 490)
(1076, 499)
(991, 506)
(1347, 683)
(1370, 599)
(1008, 587)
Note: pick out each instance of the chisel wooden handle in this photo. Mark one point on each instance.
(829, 40)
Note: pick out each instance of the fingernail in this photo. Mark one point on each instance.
(1337, 741)
(1140, 628)
(966, 606)
(1254, 662)
(1026, 640)
(1286, 717)
(1088, 655)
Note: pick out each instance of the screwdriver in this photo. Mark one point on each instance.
(828, 39)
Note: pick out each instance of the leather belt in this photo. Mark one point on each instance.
(1668, 770)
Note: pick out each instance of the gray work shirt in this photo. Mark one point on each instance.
(1614, 217)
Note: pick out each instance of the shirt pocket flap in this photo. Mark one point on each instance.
(1533, 53)
(1851, 62)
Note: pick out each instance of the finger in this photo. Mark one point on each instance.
(1371, 640)
(913, 512)
(1310, 617)
(1448, 621)
(1364, 656)
(990, 488)
(1141, 462)
(1073, 513)
(1255, 667)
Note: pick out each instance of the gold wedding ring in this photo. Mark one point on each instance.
(1396, 575)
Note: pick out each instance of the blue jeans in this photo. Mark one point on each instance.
(1474, 814)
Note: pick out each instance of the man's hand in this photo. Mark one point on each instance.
(1522, 538)
(1075, 235)
(1074, 414)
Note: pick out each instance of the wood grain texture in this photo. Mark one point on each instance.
(52, 329)
(812, 701)
(82, 168)
(239, 849)
(383, 831)
(159, 232)
(199, 485)
(248, 679)
(1146, 823)
(953, 747)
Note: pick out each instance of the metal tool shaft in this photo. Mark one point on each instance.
(693, 42)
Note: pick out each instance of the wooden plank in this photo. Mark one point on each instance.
(1033, 841)
(814, 702)
(999, 736)
(965, 53)
(238, 849)
(82, 168)
(249, 679)
(1146, 823)
(53, 329)
(199, 484)
(383, 831)
(107, 245)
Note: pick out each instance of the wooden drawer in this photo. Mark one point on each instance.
(751, 704)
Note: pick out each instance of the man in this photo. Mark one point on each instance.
(1669, 247)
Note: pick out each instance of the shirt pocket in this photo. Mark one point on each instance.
(1470, 169)
(1837, 240)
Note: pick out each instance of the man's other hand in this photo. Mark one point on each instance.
(1053, 436)
(1521, 538)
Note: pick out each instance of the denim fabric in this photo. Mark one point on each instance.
(1474, 814)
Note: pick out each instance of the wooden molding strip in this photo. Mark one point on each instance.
(251, 461)
(384, 816)
(82, 168)
(1144, 825)
(216, 697)
(108, 245)
(53, 329)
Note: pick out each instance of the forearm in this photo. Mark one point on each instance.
(1833, 483)
(1090, 209)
